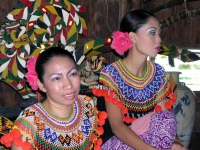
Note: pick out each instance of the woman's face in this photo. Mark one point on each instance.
(147, 38)
(61, 81)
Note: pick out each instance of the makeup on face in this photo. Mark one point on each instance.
(73, 72)
(58, 76)
(55, 77)
(153, 31)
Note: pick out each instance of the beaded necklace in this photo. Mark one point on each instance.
(139, 94)
(83, 129)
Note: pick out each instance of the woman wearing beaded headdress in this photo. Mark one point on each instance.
(138, 93)
(64, 119)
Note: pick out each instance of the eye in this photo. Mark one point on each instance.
(74, 72)
(55, 77)
(152, 32)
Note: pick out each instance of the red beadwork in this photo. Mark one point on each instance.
(158, 108)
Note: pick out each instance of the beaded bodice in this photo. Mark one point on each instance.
(138, 94)
(47, 131)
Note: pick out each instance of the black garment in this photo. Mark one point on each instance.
(107, 129)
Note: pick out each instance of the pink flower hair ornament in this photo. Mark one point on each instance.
(31, 75)
(121, 42)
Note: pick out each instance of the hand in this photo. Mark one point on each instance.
(177, 146)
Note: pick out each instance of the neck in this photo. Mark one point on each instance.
(60, 111)
(136, 66)
(135, 61)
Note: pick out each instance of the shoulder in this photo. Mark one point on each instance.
(28, 114)
(158, 72)
(111, 69)
(25, 121)
(27, 111)
(110, 66)
(159, 68)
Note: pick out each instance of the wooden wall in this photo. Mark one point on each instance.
(184, 33)
(10, 101)
(8, 96)
(5, 7)
(102, 18)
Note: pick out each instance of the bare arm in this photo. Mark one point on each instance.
(124, 133)
(15, 147)
(162, 104)
(178, 145)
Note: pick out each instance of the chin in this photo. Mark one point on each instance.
(69, 103)
(154, 55)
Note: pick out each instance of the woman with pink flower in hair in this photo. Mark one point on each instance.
(138, 93)
(64, 119)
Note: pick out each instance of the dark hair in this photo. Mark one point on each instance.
(134, 20)
(47, 55)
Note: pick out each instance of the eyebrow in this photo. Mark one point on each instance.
(159, 30)
(152, 28)
(61, 73)
(53, 74)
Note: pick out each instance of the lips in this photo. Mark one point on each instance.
(158, 48)
(69, 96)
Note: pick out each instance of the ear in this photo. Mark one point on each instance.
(132, 36)
(41, 86)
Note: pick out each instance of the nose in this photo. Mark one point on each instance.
(67, 84)
(158, 39)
